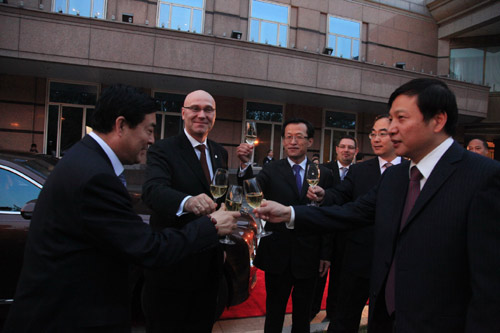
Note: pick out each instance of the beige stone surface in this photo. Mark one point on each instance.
(183, 54)
(9, 38)
(337, 77)
(228, 6)
(317, 5)
(292, 70)
(346, 9)
(242, 63)
(379, 83)
(308, 19)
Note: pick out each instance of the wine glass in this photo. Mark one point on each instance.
(251, 136)
(254, 196)
(219, 183)
(234, 199)
(312, 178)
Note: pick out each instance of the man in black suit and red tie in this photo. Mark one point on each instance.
(290, 261)
(84, 232)
(183, 297)
(437, 235)
(353, 282)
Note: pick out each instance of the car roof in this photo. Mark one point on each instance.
(36, 166)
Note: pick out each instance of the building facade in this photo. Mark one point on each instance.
(333, 62)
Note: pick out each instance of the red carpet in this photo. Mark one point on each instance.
(255, 305)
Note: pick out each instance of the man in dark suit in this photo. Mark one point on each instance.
(346, 149)
(269, 157)
(177, 188)
(84, 233)
(354, 274)
(290, 261)
(436, 253)
(478, 146)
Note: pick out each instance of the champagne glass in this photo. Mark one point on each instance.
(254, 196)
(219, 183)
(234, 199)
(251, 136)
(312, 178)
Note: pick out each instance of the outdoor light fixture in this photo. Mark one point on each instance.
(328, 51)
(401, 65)
(236, 34)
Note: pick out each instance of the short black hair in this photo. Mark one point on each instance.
(310, 127)
(350, 137)
(433, 97)
(483, 141)
(121, 100)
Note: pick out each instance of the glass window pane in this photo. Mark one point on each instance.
(467, 65)
(355, 49)
(88, 120)
(79, 7)
(60, 6)
(73, 93)
(327, 146)
(340, 120)
(173, 126)
(71, 127)
(283, 41)
(159, 120)
(268, 33)
(343, 47)
(16, 191)
(277, 142)
(52, 130)
(181, 18)
(170, 102)
(254, 31)
(98, 9)
(264, 135)
(197, 21)
(192, 3)
(163, 20)
(270, 11)
(344, 27)
(264, 111)
(331, 43)
(492, 71)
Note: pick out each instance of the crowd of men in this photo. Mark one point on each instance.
(418, 236)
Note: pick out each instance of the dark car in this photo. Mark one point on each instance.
(22, 176)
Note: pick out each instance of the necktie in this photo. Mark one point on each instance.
(121, 176)
(343, 172)
(386, 166)
(298, 179)
(203, 161)
(411, 197)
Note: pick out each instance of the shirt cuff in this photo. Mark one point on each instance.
(180, 210)
(291, 223)
(241, 173)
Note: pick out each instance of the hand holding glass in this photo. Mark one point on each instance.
(219, 183)
(251, 135)
(234, 199)
(312, 177)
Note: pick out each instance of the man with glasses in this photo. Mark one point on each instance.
(178, 174)
(291, 262)
(355, 263)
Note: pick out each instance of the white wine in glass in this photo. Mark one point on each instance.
(234, 199)
(251, 132)
(219, 183)
(312, 177)
(254, 196)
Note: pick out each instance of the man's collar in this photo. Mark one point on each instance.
(193, 141)
(115, 161)
(427, 164)
(341, 166)
(382, 162)
(302, 164)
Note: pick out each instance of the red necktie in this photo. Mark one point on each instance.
(411, 197)
(203, 161)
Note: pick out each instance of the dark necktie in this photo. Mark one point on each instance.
(387, 166)
(121, 176)
(203, 161)
(411, 197)
(298, 179)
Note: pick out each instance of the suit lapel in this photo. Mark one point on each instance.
(188, 154)
(215, 156)
(399, 194)
(287, 171)
(441, 172)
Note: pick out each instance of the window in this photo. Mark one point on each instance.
(15, 191)
(344, 37)
(87, 8)
(476, 65)
(337, 124)
(185, 15)
(268, 23)
(269, 119)
(68, 116)
(168, 118)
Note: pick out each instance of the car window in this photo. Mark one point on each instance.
(15, 191)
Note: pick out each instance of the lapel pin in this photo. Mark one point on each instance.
(215, 156)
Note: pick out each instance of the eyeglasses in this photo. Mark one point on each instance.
(347, 147)
(289, 138)
(381, 135)
(197, 109)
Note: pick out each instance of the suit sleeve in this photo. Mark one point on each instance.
(327, 239)
(483, 244)
(157, 191)
(109, 222)
(343, 192)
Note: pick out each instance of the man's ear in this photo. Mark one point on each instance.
(440, 120)
(120, 123)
